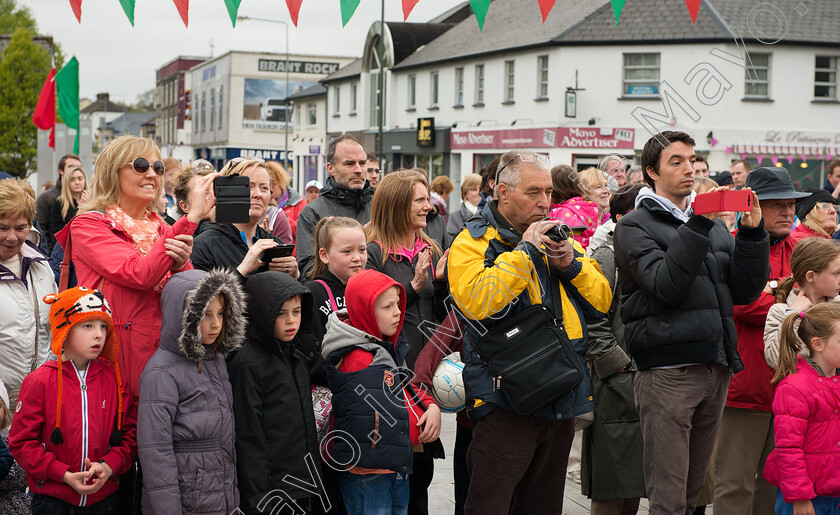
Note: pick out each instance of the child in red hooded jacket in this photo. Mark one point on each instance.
(379, 416)
(74, 429)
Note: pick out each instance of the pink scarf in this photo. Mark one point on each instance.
(144, 233)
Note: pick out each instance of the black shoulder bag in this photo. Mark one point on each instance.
(531, 358)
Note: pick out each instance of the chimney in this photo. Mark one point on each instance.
(103, 97)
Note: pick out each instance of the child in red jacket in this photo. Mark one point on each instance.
(373, 400)
(805, 465)
(75, 465)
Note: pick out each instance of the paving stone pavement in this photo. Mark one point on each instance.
(441, 496)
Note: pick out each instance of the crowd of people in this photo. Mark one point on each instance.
(154, 361)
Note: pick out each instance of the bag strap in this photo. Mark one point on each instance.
(37, 306)
(333, 304)
(64, 280)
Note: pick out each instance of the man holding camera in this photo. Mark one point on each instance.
(681, 275)
(502, 262)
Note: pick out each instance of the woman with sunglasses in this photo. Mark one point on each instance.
(817, 215)
(120, 245)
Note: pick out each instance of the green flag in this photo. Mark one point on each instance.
(480, 7)
(128, 7)
(348, 7)
(617, 6)
(233, 10)
(67, 88)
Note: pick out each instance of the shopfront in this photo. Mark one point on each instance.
(425, 147)
(218, 156)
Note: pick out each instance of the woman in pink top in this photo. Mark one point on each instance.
(576, 203)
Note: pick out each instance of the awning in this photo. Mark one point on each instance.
(780, 149)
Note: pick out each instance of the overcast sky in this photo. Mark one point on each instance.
(121, 59)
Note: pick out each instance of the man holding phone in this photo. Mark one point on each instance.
(682, 273)
(746, 429)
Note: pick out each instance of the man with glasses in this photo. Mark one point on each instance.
(745, 438)
(373, 170)
(346, 192)
(682, 274)
(500, 263)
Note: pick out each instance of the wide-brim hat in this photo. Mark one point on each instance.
(773, 184)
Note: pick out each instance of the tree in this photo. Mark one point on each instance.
(23, 69)
(145, 102)
(12, 18)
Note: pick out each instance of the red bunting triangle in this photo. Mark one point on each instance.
(693, 7)
(545, 8)
(76, 5)
(294, 9)
(183, 7)
(408, 5)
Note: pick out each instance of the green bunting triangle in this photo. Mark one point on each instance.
(128, 7)
(348, 7)
(233, 10)
(617, 6)
(480, 7)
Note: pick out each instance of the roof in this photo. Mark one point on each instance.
(312, 91)
(103, 104)
(353, 69)
(465, 39)
(717, 20)
(130, 123)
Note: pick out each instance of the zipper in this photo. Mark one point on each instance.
(83, 388)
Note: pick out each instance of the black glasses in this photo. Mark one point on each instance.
(141, 165)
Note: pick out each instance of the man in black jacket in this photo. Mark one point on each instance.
(346, 193)
(682, 273)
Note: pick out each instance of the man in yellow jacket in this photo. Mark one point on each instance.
(501, 263)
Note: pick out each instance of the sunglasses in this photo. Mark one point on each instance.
(141, 165)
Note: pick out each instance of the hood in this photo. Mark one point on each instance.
(648, 194)
(361, 294)
(356, 199)
(267, 292)
(341, 335)
(183, 302)
(290, 198)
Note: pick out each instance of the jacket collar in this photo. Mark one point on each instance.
(654, 203)
(356, 199)
(29, 254)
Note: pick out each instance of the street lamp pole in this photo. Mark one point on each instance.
(286, 116)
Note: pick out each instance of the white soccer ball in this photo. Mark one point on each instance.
(448, 384)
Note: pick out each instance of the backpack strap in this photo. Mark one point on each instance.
(330, 293)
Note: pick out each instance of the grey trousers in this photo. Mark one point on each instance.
(680, 411)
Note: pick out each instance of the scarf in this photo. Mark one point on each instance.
(143, 232)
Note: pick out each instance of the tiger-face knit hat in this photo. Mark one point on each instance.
(67, 309)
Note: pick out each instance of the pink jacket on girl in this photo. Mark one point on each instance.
(577, 212)
(806, 460)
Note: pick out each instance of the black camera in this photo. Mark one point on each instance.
(558, 233)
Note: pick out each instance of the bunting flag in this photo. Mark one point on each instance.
(743, 156)
(714, 142)
(774, 160)
(67, 88)
(233, 10)
(348, 7)
(759, 158)
(44, 115)
(128, 7)
(829, 157)
(617, 6)
(804, 158)
(183, 7)
(693, 7)
(728, 150)
(407, 6)
(76, 5)
(480, 7)
(294, 9)
(790, 160)
(545, 8)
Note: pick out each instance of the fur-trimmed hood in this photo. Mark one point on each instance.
(183, 302)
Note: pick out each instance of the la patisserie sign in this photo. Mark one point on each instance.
(559, 137)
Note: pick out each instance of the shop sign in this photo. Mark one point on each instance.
(593, 137)
(802, 137)
(560, 137)
(264, 154)
(425, 132)
(311, 67)
(314, 149)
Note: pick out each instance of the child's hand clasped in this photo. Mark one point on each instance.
(429, 424)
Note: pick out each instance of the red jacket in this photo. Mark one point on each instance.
(101, 248)
(44, 462)
(806, 460)
(751, 388)
(801, 232)
(293, 212)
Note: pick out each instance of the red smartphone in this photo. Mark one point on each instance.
(717, 201)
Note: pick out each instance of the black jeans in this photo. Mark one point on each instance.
(463, 437)
(46, 505)
(419, 481)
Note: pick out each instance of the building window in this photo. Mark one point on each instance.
(212, 109)
(353, 97)
(542, 76)
(825, 78)
(203, 111)
(312, 113)
(297, 114)
(641, 75)
(337, 100)
(479, 84)
(220, 106)
(757, 76)
(508, 81)
(433, 87)
(412, 91)
(459, 86)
